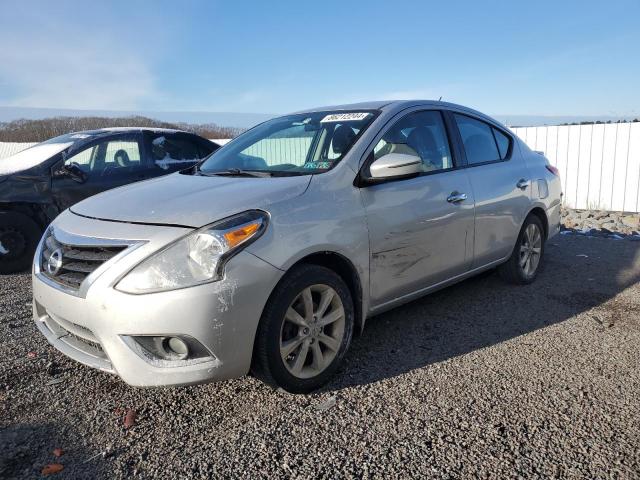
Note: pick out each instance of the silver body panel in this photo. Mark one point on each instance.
(186, 200)
(402, 238)
(416, 237)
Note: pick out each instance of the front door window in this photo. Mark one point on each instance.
(108, 158)
(420, 134)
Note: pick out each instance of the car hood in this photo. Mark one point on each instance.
(189, 200)
(30, 157)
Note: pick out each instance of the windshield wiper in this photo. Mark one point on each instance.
(237, 172)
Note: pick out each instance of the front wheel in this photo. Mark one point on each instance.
(526, 259)
(305, 330)
(19, 236)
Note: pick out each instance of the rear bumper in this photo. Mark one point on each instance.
(554, 218)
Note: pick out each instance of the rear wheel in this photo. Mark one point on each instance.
(305, 330)
(19, 236)
(526, 259)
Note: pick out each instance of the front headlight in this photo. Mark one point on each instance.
(196, 258)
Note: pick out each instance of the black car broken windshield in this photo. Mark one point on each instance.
(296, 144)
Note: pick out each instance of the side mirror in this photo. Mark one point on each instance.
(394, 166)
(73, 171)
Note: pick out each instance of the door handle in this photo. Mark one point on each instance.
(522, 184)
(456, 197)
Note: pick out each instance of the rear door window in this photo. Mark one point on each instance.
(478, 140)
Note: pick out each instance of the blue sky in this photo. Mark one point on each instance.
(536, 58)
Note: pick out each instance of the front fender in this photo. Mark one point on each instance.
(328, 217)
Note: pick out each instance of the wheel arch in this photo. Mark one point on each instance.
(539, 212)
(346, 270)
(40, 213)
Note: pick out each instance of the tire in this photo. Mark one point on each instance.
(514, 270)
(303, 369)
(19, 237)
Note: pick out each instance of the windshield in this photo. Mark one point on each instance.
(35, 155)
(297, 144)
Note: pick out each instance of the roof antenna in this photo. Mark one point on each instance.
(440, 99)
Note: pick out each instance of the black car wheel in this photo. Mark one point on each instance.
(305, 330)
(19, 236)
(526, 259)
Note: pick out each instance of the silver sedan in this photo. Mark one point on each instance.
(271, 253)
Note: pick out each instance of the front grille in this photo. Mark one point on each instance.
(69, 265)
(94, 345)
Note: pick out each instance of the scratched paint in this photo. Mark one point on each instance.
(226, 290)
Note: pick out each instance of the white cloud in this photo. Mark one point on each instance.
(66, 68)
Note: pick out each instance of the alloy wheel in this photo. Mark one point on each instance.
(312, 331)
(530, 249)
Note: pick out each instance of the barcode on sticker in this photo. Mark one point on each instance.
(345, 117)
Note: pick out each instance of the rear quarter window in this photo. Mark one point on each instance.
(175, 151)
(503, 141)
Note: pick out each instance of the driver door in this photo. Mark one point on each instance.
(105, 164)
(421, 228)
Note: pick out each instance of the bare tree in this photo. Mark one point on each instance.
(40, 130)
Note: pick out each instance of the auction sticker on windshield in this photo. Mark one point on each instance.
(345, 117)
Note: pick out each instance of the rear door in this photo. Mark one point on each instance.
(107, 163)
(501, 186)
(420, 229)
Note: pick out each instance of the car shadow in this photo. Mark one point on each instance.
(28, 448)
(579, 274)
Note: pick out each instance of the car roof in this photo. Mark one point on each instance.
(373, 105)
(102, 131)
(395, 106)
(151, 129)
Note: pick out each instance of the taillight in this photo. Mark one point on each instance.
(553, 170)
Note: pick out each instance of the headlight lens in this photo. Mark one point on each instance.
(197, 258)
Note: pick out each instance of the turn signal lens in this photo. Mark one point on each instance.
(236, 237)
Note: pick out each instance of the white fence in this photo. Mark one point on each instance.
(11, 148)
(281, 150)
(599, 164)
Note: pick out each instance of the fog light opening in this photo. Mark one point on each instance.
(175, 348)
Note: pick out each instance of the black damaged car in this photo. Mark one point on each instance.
(38, 183)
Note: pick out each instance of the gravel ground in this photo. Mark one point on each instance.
(481, 379)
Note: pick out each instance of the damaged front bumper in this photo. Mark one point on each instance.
(105, 328)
